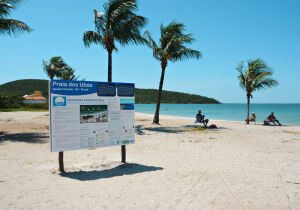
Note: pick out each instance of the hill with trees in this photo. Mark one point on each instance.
(24, 87)
(142, 96)
(149, 96)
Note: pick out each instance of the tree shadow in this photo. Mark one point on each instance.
(166, 129)
(124, 169)
(138, 130)
(36, 138)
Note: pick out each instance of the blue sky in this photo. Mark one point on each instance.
(226, 32)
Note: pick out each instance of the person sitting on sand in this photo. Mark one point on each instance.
(252, 118)
(201, 118)
(273, 119)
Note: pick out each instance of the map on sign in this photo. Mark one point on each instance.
(85, 114)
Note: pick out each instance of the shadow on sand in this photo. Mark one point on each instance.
(206, 128)
(124, 169)
(36, 138)
(166, 129)
(174, 130)
(138, 130)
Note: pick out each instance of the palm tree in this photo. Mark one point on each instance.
(255, 76)
(69, 74)
(171, 48)
(117, 23)
(10, 26)
(55, 68)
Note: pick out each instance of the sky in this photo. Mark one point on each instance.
(226, 32)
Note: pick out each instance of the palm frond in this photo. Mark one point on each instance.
(11, 26)
(118, 23)
(129, 30)
(256, 76)
(152, 44)
(116, 7)
(13, 2)
(269, 82)
(56, 67)
(99, 21)
(69, 74)
(186, 54)
(4, 9)
(168, 44)
(241, 75)
(172, 43)
(92, 37)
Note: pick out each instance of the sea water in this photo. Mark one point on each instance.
(288, 114)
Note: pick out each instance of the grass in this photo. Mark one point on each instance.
(197, 129)
(292, 132)
(23, 109)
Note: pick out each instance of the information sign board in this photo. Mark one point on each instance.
(86, 114)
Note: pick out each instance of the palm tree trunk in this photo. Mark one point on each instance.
(156, 116)
(109, 79)
(248, 108)
(109, 65)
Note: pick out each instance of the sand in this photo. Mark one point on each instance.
(171, 166)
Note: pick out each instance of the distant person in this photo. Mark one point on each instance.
(272, 119)
(201, 118)
(252, 118)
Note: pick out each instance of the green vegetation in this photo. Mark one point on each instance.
(171, 48)
(24, 87)
(255, 76)
(58, 68)
(16, 102)
(10, 26)
(12, 101)
(22, 109)
(142, 96)
(118, 23)
(149, 96)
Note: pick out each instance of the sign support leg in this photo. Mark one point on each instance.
(123, 150)
(61, 161)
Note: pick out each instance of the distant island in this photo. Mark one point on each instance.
(142, 96)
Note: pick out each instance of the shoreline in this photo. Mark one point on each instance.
(162, 115)
(215, 120)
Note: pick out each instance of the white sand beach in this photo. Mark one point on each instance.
(171, 166)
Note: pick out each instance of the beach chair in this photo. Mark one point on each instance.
(273, 120)
(252, 120)
(202, 121)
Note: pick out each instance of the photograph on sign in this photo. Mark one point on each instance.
(93, 114)
(86, 114)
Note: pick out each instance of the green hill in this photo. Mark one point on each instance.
(24, 87)
(149, 96)
(142, 96)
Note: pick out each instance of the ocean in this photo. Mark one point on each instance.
(287, 114)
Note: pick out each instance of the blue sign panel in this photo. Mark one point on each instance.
(70, 87)
(126, 90)
(106, 89)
